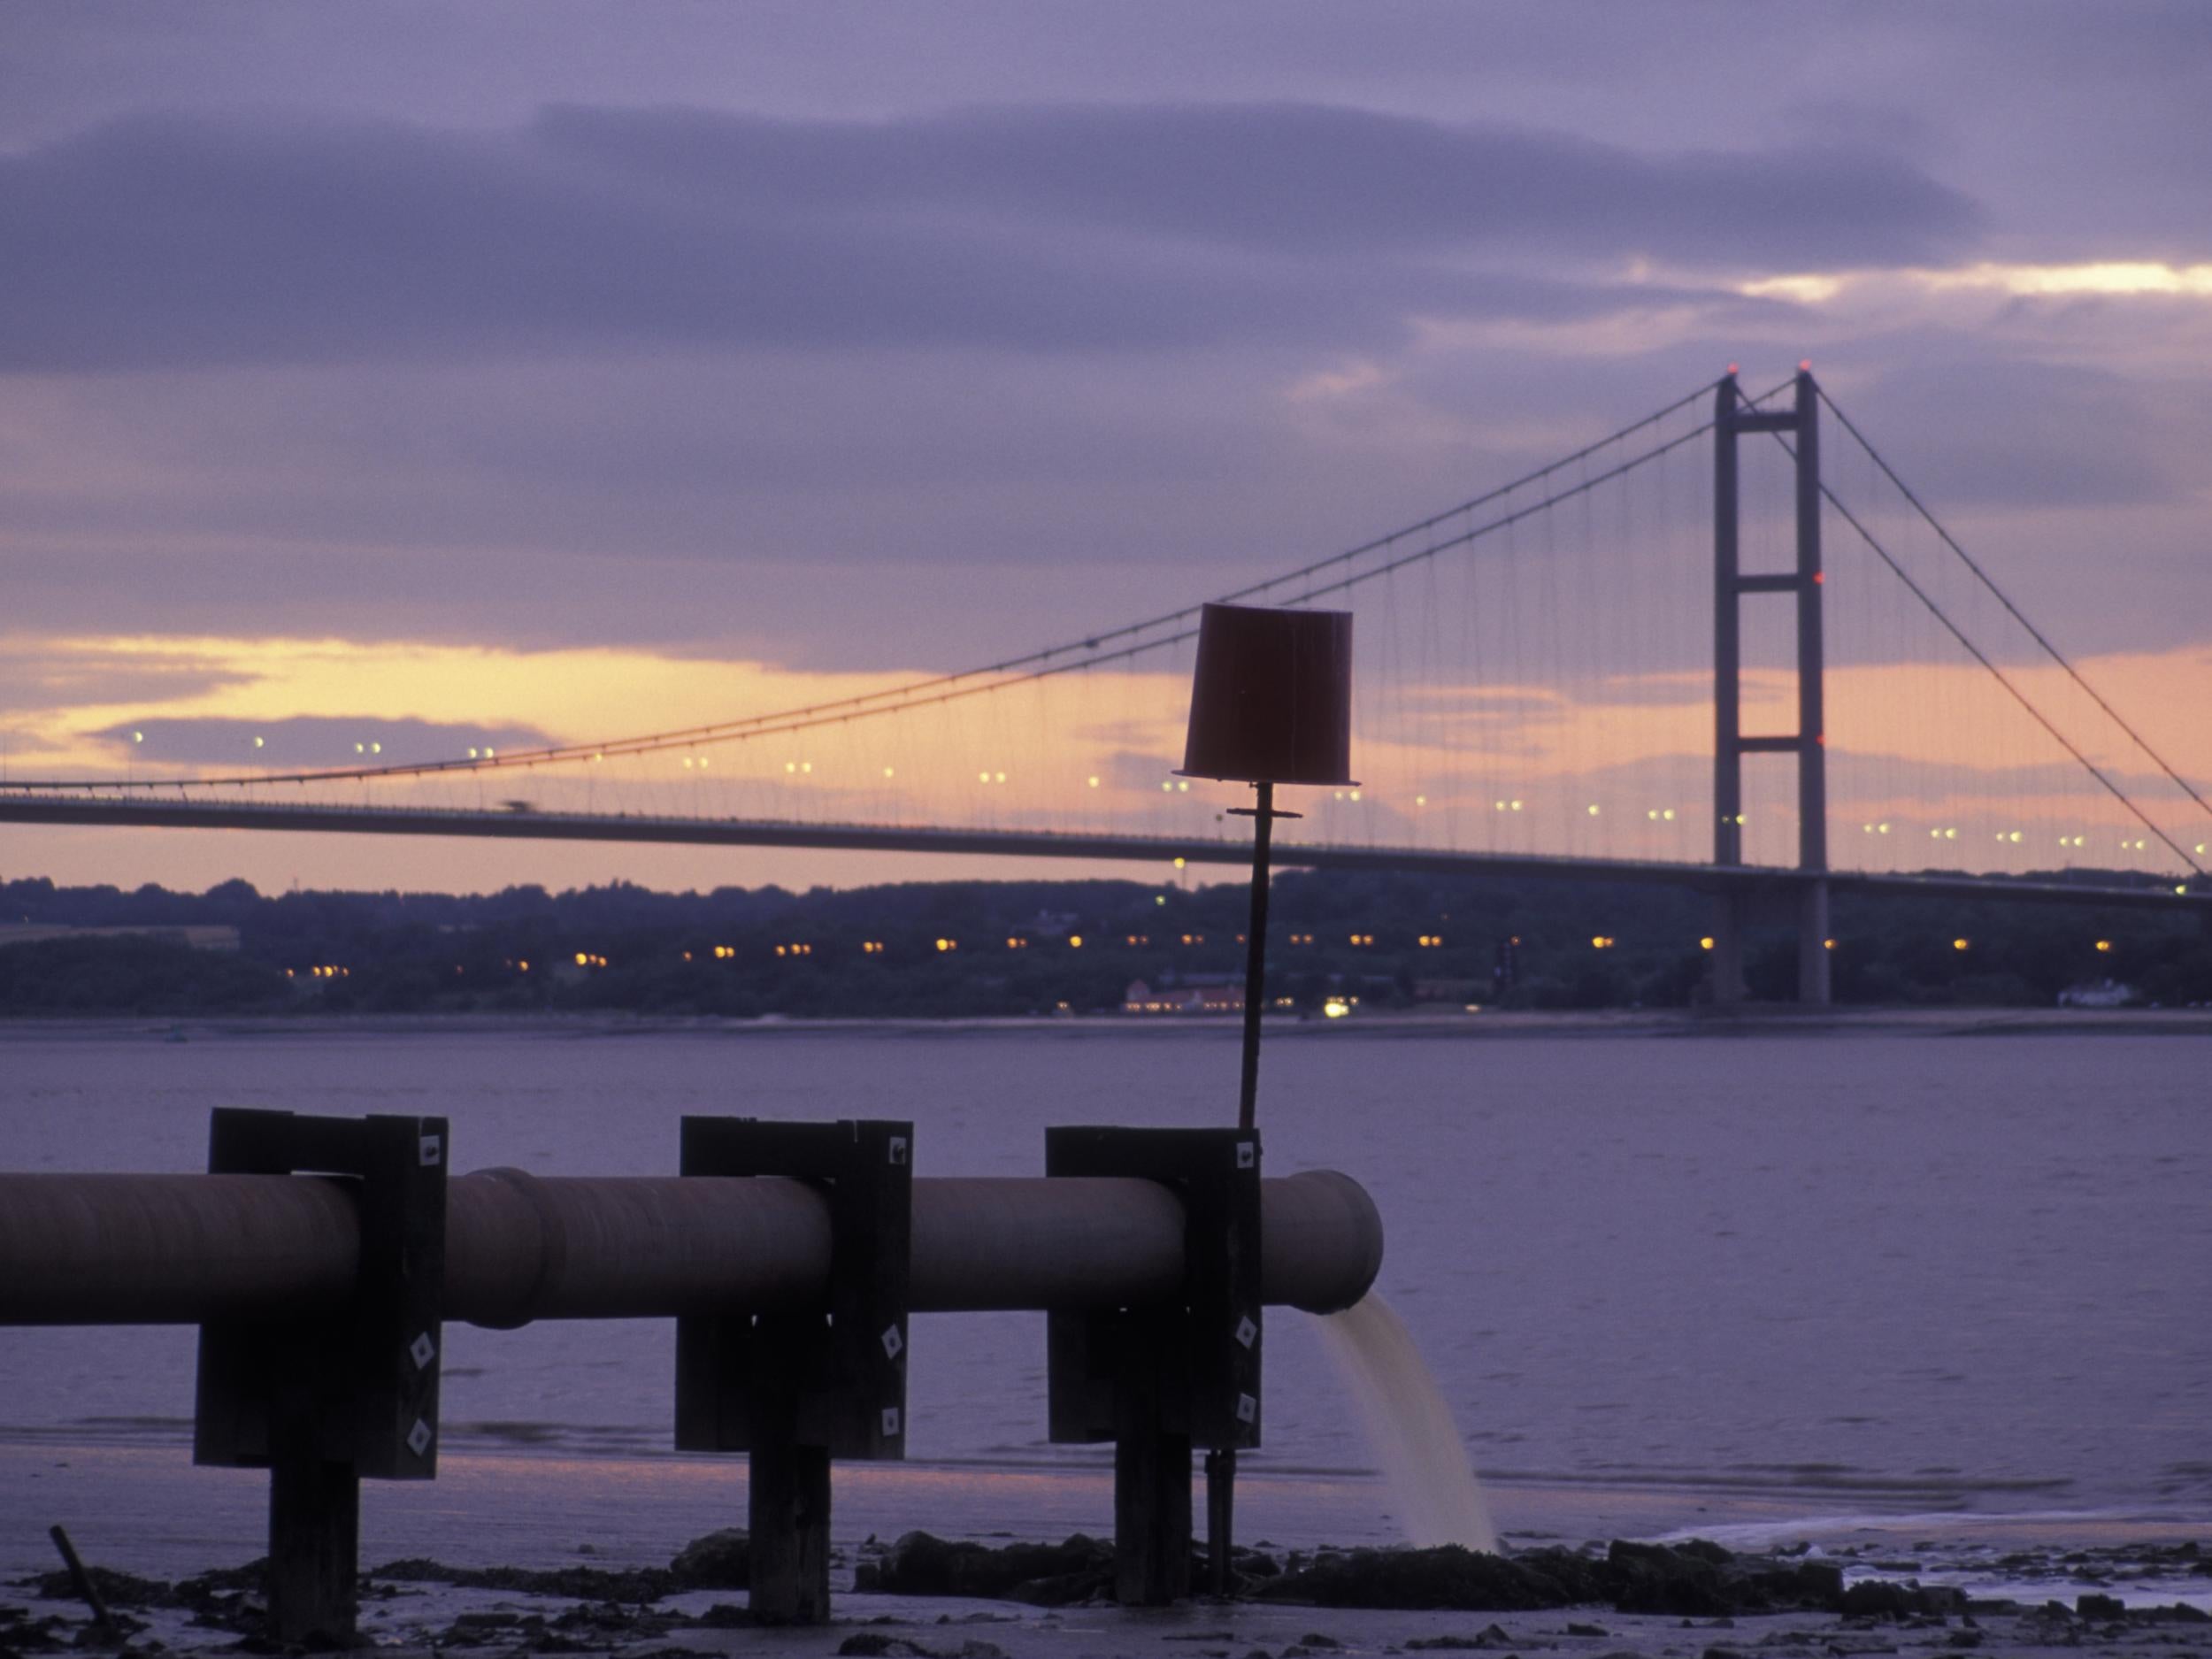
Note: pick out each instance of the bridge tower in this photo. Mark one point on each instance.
(1732, 417)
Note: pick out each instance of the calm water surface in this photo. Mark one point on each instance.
(1896, 1272)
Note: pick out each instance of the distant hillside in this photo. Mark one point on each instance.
(1010, 948)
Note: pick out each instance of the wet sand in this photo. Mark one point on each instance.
(2011, 1616)
(2011, 1583)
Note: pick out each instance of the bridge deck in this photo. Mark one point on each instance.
(1151, 849)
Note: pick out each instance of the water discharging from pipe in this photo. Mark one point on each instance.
(1409, 1426)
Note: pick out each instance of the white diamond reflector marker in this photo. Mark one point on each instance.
(1248, 1155)
(1247, 1408)
(893, 1344)
(429, 1150)
(890, 1421)
(1248, 1333)
(418, 1437)
(422, 1350)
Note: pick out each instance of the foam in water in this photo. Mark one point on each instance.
(1409, 1426)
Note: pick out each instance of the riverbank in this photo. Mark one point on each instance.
(1756, 1019)
(2005, 1589)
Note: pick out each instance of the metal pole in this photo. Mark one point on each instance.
(1255, 956)
(1221, 1466)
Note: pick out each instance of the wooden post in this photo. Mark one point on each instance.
(1221, 1500)
(787, 1508)
(1152, 1518)
(322, 1400)
(794, 1390)
(1162, 1377)
(314, 1546)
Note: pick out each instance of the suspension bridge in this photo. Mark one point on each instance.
(1725, 645)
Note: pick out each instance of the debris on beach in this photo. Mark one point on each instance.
(1043, 1575)
(1694, 1580)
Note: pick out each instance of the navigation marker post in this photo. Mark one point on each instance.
(1270, 702)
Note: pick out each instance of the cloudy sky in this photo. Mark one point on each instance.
(574, 368)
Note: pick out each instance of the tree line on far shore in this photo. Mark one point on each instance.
(980, 948)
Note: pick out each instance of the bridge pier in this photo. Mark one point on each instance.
(1812, 945)
(1726, 961)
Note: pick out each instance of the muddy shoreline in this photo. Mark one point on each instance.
(920, 1595)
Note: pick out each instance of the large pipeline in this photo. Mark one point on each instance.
(182, 1250)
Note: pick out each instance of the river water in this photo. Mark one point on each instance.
(1664, 1280)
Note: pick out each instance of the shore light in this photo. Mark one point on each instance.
(1962, 944)
(1705, 943)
